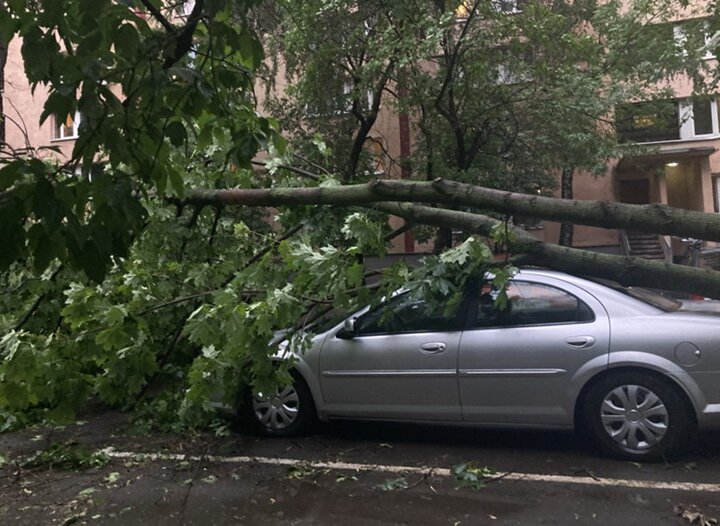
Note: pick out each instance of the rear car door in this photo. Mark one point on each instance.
(517, 365)
(401, 364)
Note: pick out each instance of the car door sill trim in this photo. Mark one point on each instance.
(390, 373)
(512, 372)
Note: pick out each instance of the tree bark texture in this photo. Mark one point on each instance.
(527, 249)
(3, 60)
(651, 218)
(531, 251)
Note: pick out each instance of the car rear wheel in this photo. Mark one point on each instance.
(288, 411)
(636, 416)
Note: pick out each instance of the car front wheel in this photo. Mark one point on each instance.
(636, 416)
(287, 411)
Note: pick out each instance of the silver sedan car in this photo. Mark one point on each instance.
(629, 368)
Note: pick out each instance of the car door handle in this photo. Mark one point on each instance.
(580, 342)
(433, 347)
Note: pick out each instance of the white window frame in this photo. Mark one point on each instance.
(507, 77)
(58, 131)
(687, 121)
(509, 7)
(680, 37)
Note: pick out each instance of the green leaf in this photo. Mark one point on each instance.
(115, 315)
(92, 261)
(127, 41)
(394, 484)
(12, 233)
(175, 131)
(38, 50)
(112, 477)
(16, 5)
(177, 182)
(472, 476)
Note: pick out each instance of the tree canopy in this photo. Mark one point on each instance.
(127, 267)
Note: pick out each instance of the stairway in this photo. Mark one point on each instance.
(644, 245)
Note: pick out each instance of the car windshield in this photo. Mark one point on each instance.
(656, 298)
(328, 320)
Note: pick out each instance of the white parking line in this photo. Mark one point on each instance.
(443, 472)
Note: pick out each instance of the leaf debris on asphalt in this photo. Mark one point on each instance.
(693, 515)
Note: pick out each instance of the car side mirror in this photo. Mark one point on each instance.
(348, 331)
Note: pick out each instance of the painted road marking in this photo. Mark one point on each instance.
(443, 472)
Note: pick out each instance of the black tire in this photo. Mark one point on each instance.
(636, 416)
(287, 412)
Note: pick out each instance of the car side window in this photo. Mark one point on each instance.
(531, 304)
(404, 314)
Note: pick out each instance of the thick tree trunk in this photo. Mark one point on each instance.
(567, 230)
(530, 251)
(653, 218)
(527, 249)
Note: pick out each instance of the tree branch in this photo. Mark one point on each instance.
(652, 218)
(155, 12)
(625, 270)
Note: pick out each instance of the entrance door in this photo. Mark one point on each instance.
(635, 191)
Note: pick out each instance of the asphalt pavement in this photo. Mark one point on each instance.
(350, 474)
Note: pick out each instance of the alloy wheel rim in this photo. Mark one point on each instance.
(279, 410)
(634, 417)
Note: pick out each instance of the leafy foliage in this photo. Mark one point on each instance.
(65, 456)
(113, 290)
(393, 484)
(472, 476)
(144, 86)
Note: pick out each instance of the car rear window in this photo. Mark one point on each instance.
(656, 298)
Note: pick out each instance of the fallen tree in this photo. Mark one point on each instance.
(651, 218)
(400, 198)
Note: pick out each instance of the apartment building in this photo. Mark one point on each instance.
(22, 110)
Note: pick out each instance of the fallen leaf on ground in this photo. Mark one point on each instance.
(693, 515)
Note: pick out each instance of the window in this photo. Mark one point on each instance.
(694, 36)
(503, 6)
(699, 118)
(406, 313)
(530, 304)
(338, 100)
(515, 65)
(377, 157)
(702, 117)
(716, 192)
(670, 120)
(68, 128)
(509, 6)
(463, 9)
(648, 121)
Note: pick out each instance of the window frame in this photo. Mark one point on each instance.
(686, 111)
(681, 38)
(685, 125)
(458, 319)
(58, 129)
(472, 311)
(508, 7)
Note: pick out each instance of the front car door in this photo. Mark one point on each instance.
(517, 366)
(401, 364)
